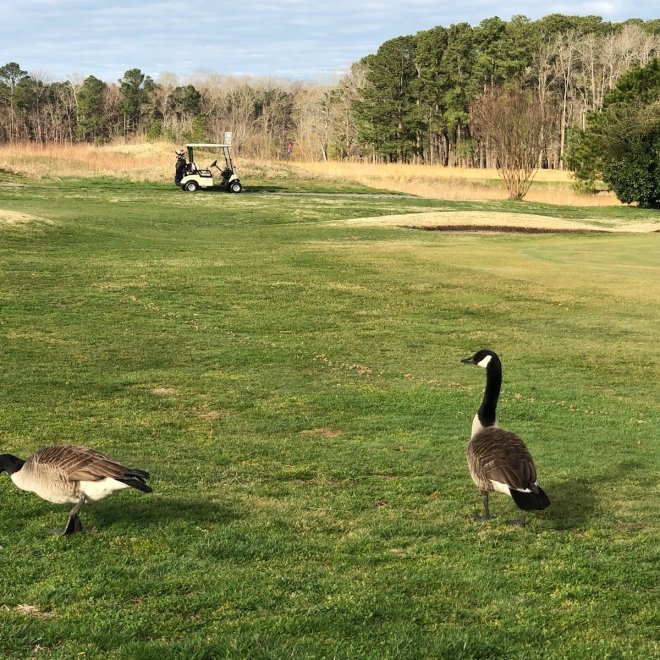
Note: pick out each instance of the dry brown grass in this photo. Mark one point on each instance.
(136, 161)
(139, 161)
(146, 161)
(551, 186)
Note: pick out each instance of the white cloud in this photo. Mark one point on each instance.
(292, 38)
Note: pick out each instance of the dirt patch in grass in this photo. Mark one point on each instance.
(30, 610)
(501, 222)
(164, 391)
(210, 415)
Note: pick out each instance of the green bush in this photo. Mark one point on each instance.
(631, 166)
(155, 131)
(197, 132)
(634, 173)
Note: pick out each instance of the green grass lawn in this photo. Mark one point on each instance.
(295, 388)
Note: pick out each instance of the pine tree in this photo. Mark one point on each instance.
(89, 109)
(388, 106)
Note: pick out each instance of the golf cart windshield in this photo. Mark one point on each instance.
(225, 148)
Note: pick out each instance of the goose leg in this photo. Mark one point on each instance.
(73, 523)
(518, 521)
(486, 514)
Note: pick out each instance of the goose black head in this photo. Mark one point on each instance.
(482, 358)
(10, 464)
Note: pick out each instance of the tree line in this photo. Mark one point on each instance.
(411, 101)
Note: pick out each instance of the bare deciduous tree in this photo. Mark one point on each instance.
(312, 120)
(515, 124)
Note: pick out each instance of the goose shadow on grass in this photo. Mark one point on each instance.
(156, 511)
(574, 502)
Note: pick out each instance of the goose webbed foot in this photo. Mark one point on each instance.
(73, 525)
(482, 517)
(520, 522)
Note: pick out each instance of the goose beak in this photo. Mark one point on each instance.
(468, 360)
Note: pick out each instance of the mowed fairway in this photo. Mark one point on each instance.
(293, 383)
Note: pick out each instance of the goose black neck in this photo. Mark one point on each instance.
(486, 412)
(10, 464)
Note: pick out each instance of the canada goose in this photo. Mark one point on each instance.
(72, 474)
(498, 459)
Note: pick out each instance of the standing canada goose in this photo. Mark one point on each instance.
(70, 474)
(498, 459)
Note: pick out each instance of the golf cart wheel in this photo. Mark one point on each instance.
(191, 186)
(235, 187)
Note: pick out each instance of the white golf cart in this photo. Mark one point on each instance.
(199, 179)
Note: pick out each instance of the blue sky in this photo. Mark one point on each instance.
(290, 39)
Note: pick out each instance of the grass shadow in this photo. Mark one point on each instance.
(149, 511)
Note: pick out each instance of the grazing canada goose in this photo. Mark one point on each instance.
(498, 459)
(70, 474)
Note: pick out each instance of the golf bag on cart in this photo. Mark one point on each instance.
(180, 167)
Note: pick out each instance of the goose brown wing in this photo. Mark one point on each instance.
(502, 456)
(77, 463)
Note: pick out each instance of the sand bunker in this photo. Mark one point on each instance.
(502, 222)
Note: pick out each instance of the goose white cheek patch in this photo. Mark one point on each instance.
(485, 362)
